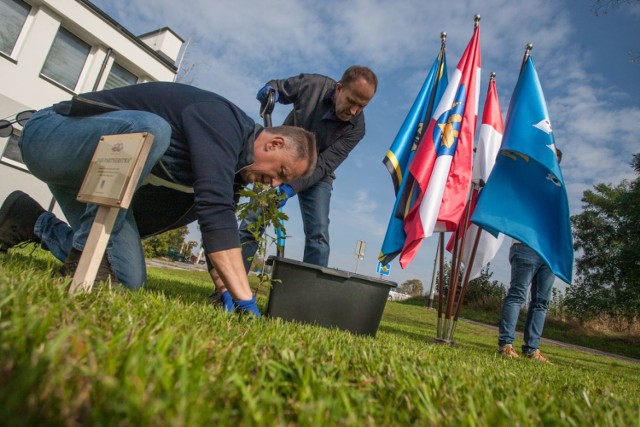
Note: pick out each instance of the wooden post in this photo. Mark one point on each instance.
(110, 182)
(94, 249)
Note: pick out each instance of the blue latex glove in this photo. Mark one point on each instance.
(263, 94)
(248, 306)
(227, 301)
(286, 192)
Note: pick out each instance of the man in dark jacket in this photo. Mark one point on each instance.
(333, 111)
(204, 149)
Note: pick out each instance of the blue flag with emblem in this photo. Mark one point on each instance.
(401, 154)
(525, 196)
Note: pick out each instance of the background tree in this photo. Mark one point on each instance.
(159, 245)
(411, 287)
(484, 292)
(608, 234)
(603, 6)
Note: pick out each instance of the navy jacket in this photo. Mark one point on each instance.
(211, 141)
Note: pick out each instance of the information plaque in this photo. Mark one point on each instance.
(112, 174)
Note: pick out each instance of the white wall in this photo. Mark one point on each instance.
(22, 87)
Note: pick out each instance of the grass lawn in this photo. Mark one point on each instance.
(571, 333)
(164, 356)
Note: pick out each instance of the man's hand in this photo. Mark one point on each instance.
(222, 300)
(263, 94)
(286, 192)
(248, 306)
(227, 301)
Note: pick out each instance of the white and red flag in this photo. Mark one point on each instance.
(442, 163)
(489, 141)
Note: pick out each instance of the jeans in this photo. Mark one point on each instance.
(526, 268)
(314, 207)
(58, 149)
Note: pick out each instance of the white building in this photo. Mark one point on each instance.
(51, 50)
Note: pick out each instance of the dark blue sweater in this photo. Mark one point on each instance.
(211, 140)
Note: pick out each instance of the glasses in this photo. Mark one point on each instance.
(6, 126)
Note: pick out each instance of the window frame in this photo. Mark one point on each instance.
(24, 28)
(85, 65)
(11, 147)
(121, 67)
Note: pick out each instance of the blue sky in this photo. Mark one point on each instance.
(591, 87)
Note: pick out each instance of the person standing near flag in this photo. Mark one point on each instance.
(527, 268)
(333, 111)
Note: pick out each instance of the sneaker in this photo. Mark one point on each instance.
(104, 274)
(18, 217)
(538, 356)
(507, 350)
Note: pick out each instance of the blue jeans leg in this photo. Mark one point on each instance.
(55, 235)
(523, 267)
(58, 149)
(541, 286)
(314, 207)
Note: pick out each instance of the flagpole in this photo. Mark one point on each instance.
(440, 332)
(454, 271)
(527, 52)
(467, 211)
(455, 264)
(450, 294)
(422, 127)
(465, 284)
(467, 272)
(472, 256)
(433, 277)
(439, 253)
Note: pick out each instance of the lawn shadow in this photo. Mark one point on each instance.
(186, 292)
(31, 258)
(414, 336)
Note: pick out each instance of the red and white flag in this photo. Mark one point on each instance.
(489, 142)
(442, 163)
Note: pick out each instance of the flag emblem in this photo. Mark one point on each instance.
(447, 129)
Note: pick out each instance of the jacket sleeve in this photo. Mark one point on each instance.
(288, 89)
(214, 152)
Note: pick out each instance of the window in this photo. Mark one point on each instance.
(66, 59)
(11, 155)
(13, 14)
(119, 77)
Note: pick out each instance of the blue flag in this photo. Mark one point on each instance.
(525, 196)
(402, 151)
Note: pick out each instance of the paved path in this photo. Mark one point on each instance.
(176, 265)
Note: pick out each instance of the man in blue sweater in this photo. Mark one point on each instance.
(204, 149)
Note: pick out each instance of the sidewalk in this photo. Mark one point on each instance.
(176, 265)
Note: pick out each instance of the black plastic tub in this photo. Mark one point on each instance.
(326, 296)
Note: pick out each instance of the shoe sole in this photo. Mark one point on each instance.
(508, 356)
(8, 204)
(6, 208)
